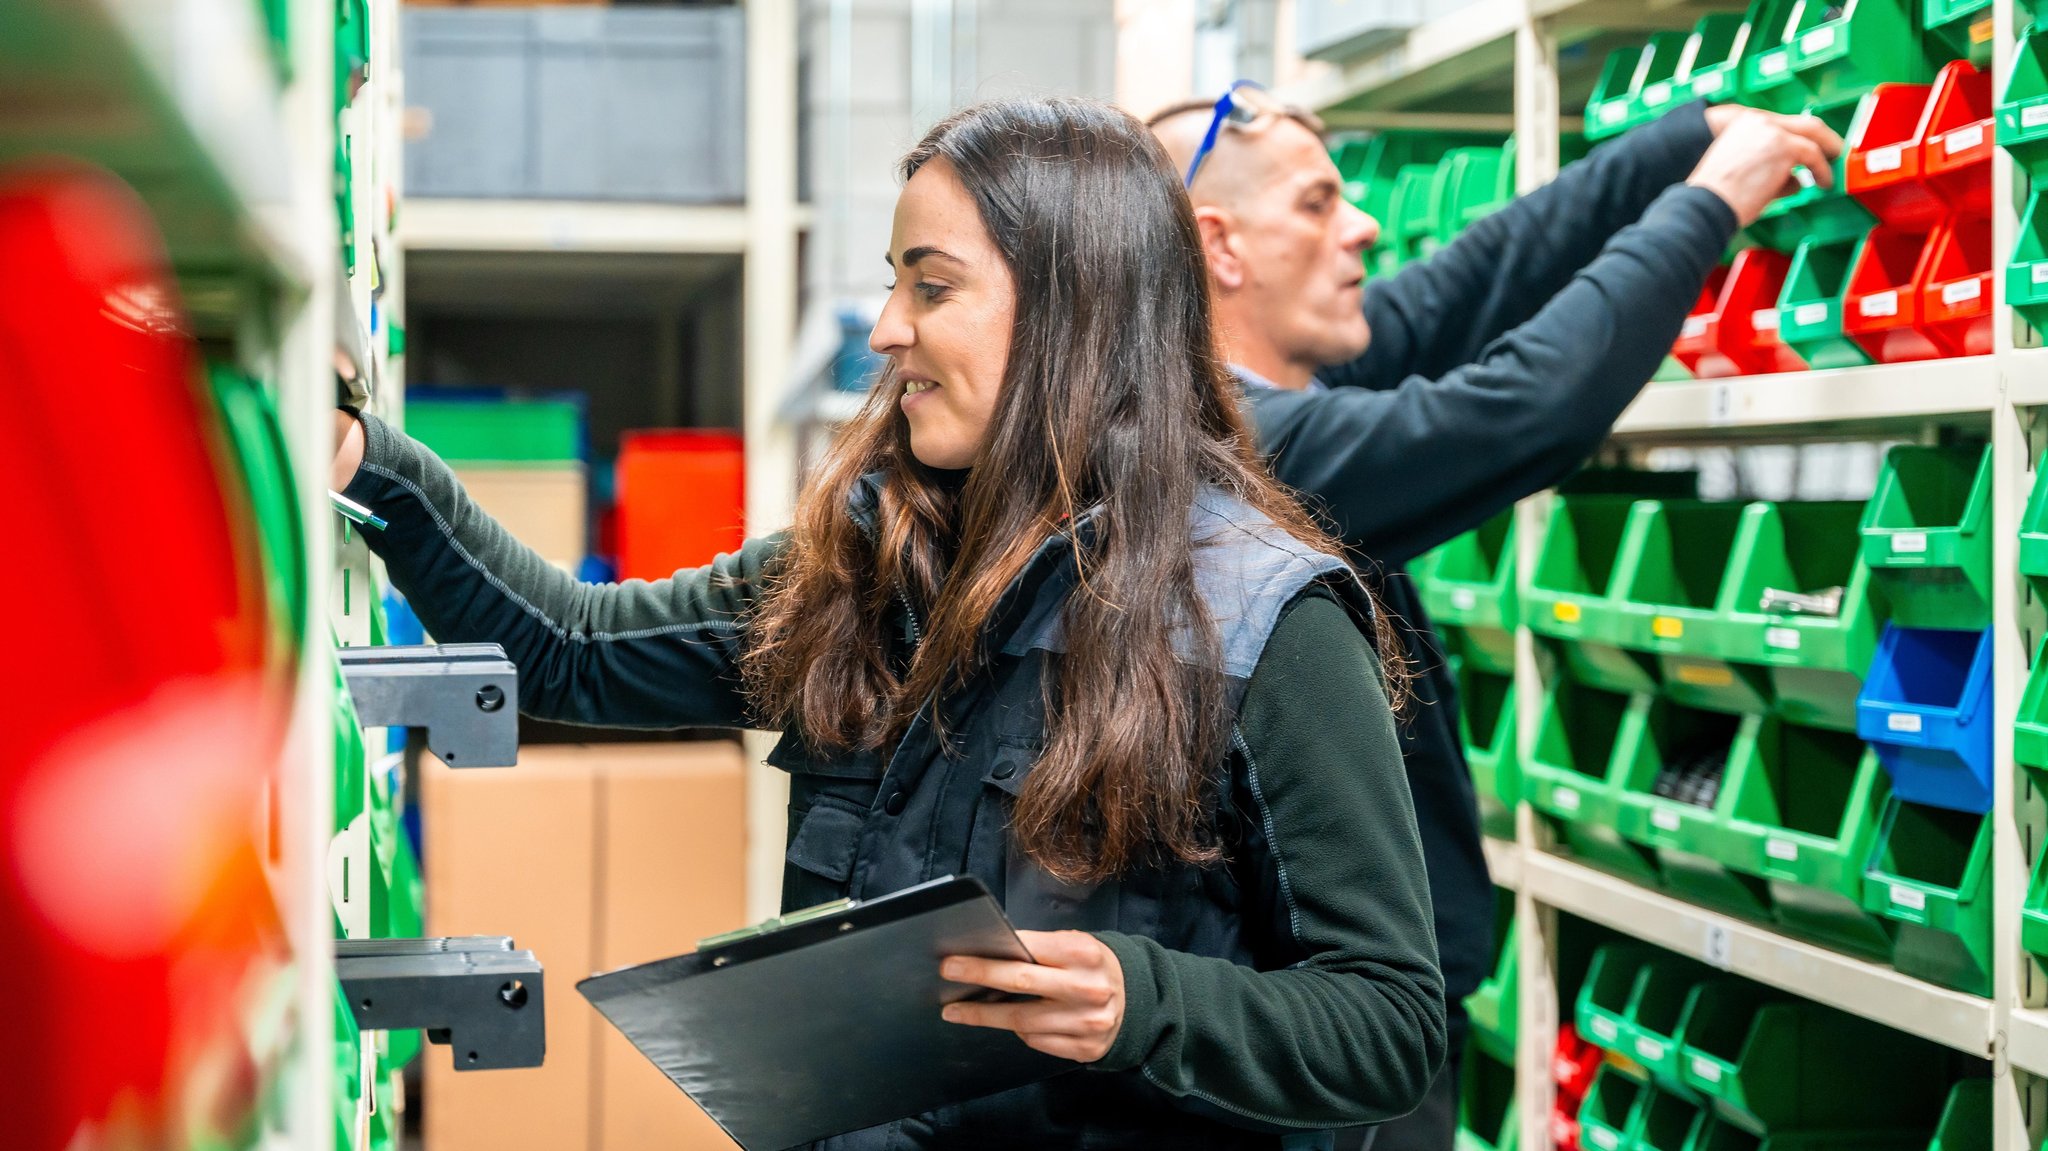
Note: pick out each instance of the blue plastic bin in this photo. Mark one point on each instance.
(1926, 708)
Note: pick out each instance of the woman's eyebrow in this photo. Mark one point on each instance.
(911, 256)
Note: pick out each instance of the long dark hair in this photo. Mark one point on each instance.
(1115, 403)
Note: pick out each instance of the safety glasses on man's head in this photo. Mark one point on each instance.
(1242, 104)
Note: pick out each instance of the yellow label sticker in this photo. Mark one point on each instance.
(1666, 627)
(1705, 675)
(1565, 612)
(1980, 31)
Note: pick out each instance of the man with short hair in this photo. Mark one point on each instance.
(1412, 409)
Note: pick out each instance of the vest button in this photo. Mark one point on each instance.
(896, 802)
(1003, 771)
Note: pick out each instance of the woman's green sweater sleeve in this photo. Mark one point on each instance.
(644, 654)
(1352, 1030)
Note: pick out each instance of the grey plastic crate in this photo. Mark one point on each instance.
(1334, 29)
(578, 103)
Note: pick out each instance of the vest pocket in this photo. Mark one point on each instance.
(825, 843)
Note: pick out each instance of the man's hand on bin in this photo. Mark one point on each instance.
(1755, 153)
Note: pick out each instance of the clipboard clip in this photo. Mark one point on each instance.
(770, 926)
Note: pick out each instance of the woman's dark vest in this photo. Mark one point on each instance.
(863, 827)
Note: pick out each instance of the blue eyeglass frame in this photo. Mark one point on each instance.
(1227, 109)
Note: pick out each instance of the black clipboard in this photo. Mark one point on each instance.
(827, 1021)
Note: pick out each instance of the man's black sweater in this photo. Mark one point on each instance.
(1496, 367)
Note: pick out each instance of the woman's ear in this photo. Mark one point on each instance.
(1219, 247)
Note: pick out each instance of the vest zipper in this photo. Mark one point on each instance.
(911, 631)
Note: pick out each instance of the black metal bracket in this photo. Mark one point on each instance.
(465, 696)
(473, 993)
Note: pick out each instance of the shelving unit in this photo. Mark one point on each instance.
(1521, 53)
(223, 117)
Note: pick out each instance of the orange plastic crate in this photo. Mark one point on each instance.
(681, 500)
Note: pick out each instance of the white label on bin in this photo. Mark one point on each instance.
(1464, 598)
(1604, 1029)
(1664, 820)
(1565, 799)
(1810, 314)
(1782, 638)
(1907, 897)
(1781, 849)
(2040, 272)
(1817, 40)
(1694, 327)
(1602, 1137)
(1883, 159)
(1909, 543)
(1705, 1068)
(1961, 291)
(1764, 319)
(2034, 116)
(1657, 93)
(1649, 1050)
(1706, 85)
(1962, 139)
(1879, 304)
(1773, 65)
(1904, 721)
(1609, 113)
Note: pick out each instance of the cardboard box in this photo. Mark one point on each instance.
(596, 857)
(513, 851)
(544, 508)
(673, 872)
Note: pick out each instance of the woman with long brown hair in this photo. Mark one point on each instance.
(1043, 620)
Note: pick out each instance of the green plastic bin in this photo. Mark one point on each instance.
(1769, 1064)
(2022, 113)
(1966, 1120)
(1816, 663)
(2034, 536)
(2034, 910)
(1601, 1010)
(1810, 304)
(1927, 539)
(1607, 1114)
(1487, 1113)
(1931, 875)
(1492, 1007)
(1711, 67)
(1636, 86)
(1487, 726)
(1656, 1014)
(1718, 1136)
(1767, 78)
(1470, 590)
(1465, 188)
(260, 452)
(2026, 273)
(1962, 28)
(1569, 776)
(1816, 213)
(1676, 599)
(1805, 807)
(533, 433)
(1665, 1121)
(2030, 727)
(1689, 840)
(1410, 231)
(1848, 49)
(1571, 594)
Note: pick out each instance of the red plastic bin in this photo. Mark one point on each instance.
(1881, 308)
(682, 500)
(1956, 154)
(1722, 336)
(1884, 168)
(1955, 287)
